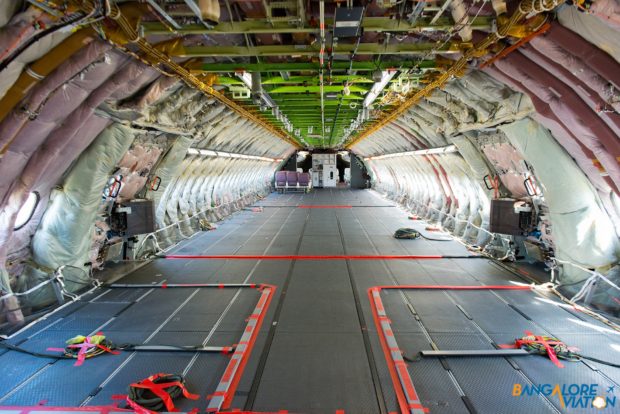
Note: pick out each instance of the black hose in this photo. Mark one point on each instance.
(147, 399)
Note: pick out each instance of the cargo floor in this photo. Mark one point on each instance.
(319, 349)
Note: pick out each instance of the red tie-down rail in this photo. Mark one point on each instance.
(225, 391)
(323, 206)
(318, 257)
(110, 409)
(407, 397)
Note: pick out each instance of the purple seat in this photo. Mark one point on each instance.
(291, 179)
(304, 180)
(280, 179)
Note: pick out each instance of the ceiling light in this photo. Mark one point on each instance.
(386, 77)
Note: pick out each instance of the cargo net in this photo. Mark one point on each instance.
(35, 291)
(160, 240)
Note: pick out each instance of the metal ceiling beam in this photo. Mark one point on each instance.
(316, 89)
(314, 80)
(295, 80)
(303, 50)
(369, 24)
(199, 67)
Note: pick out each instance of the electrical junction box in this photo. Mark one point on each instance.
(133, 217)
(505, 218)
(348, 21)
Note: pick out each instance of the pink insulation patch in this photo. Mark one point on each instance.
(135, 168)
(509, 166)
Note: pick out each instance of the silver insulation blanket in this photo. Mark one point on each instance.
(583, 232)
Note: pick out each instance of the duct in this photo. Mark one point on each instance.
(431, 122)
(471, 155)
(579, 69)
(569, 108)
(459, 14)
(583, 233)
(159, 90)
(507, 164)
(21, 28)
(63, 237)
(478, 169)
(136, 165)
(30, 135)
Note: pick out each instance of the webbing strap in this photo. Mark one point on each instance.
(160, 391)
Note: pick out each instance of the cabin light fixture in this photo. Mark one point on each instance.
(378, 86)
(440, 150)
(223, 154)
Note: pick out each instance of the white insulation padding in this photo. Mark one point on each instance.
(62, 238)
(583, 232)
(474, 102)
(167, 171)
(441, 188)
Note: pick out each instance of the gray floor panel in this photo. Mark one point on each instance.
(318, 350)
(432, 382)
(317, 373)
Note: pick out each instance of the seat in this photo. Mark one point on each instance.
(280, 180)
(304, 181)
(291, 180)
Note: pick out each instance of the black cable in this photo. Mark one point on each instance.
(147, 399)
(418, 357)
(589, 358)
(33, 353)
(409, 233)
(21, 48)
(432, 239)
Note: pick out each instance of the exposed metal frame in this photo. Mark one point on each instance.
(369, 24)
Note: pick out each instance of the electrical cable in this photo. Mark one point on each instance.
(409, 233)
(16, 348)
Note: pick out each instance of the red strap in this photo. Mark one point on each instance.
(537, 340)
(85, 346)
(160, 391)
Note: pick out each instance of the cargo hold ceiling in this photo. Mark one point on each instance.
(318, 71)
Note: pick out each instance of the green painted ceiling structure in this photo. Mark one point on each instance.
(316, 116)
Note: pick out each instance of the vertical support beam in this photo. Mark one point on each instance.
(321, 62)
